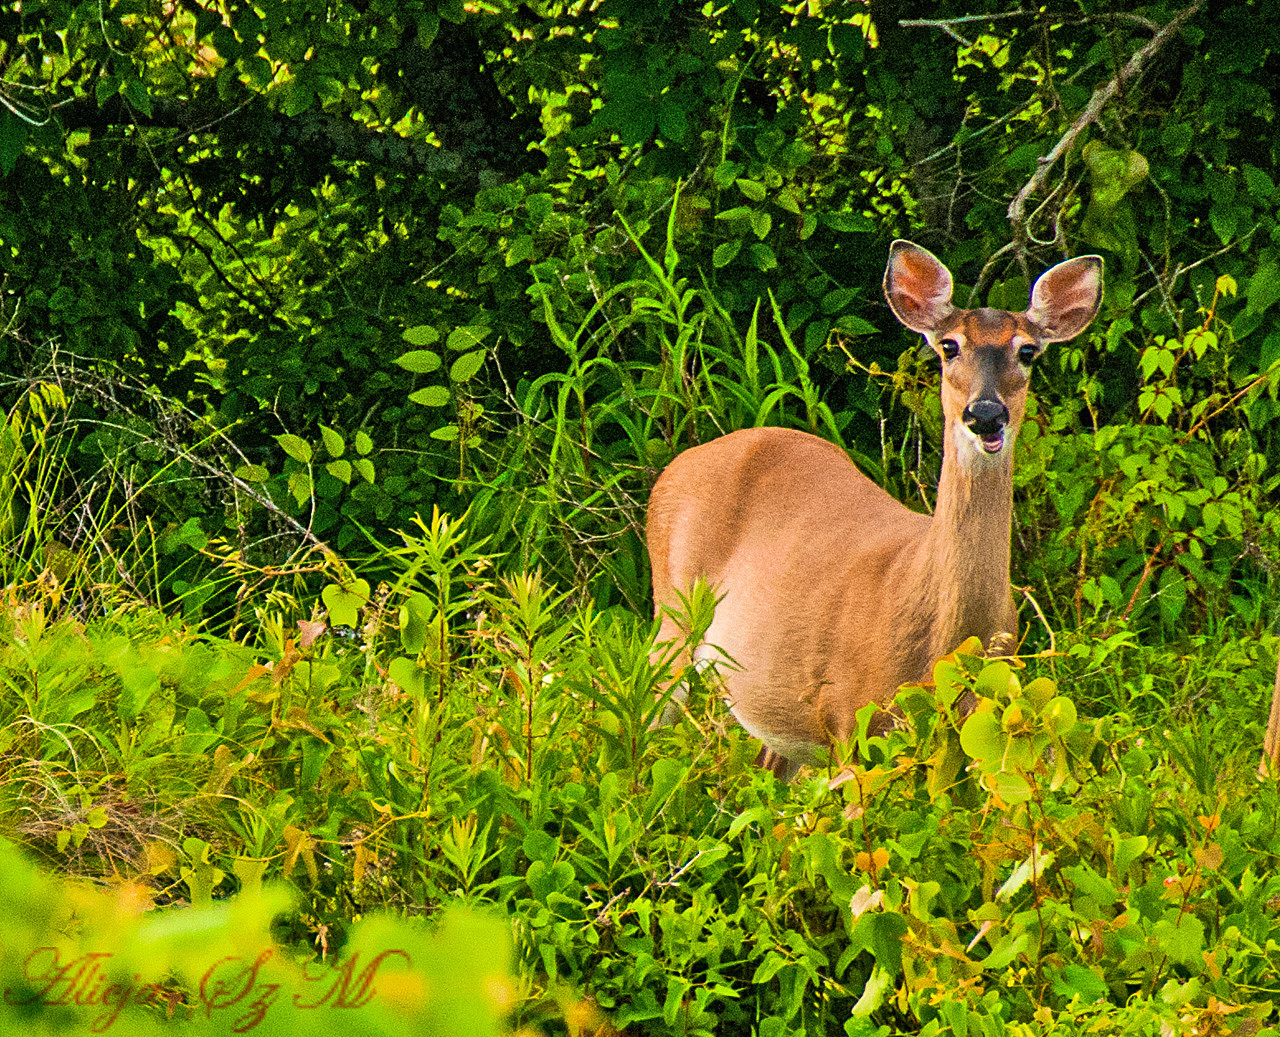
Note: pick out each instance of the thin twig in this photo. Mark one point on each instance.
(1053, 641)
(1092, 111)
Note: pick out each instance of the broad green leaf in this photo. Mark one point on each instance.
(446, 433)
(300, 487)
(340, 470)
(752, 189)
(344, 603)
(1181, 937)
(365, 467)
(1264, 288)
(875, 991)
(725, 252)
(996, 680)
(333, 443)
(364, 445)
(1060, 715)
(465, 367)
(1033, 867)
(1012, 788)
(296, 447)
(461, 339)
(1039, 692)
(837, 299)
(431, 396)
(252, 473)
(422, 335)
(1127, 850)
(419, 361)
(414, 615)
(408, 674)
(982, 737)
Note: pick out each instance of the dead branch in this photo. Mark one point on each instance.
(1101, 97)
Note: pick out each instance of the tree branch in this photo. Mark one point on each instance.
(1101, 97)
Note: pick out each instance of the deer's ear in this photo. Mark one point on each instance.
(1066, 298)
(917, 287)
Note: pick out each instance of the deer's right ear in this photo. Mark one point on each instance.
(917, 287)
(1065, 299)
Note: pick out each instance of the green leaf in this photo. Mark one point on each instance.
(419, 361)
(422, 335)
(1012, 788)
(837, 299)
(1003, 953)
(1077, 980)
(762, 256)
(300, 486)
(431, 396)
(365, 467)
(446, 433)
(982, 737)
(875, 991)
(1128, 850)
(725, 252)
(344, 603)
(1060, 715)
(761, 224)
(1259, 183)
(520, 250)
(996, 680)
(673, 123)
(333, 443)
(725, 173)
(1264, 288)
(297, 448)
(1181, 938)
(364, 444)
(408, 674)
(340, 470)
(13, 139)
(467, 338)
(252, 473)
(414, 616)
(752, 189)
(136, 94)
(466, 366)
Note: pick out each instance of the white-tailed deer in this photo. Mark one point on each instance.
(1271, 747)
(832, 593)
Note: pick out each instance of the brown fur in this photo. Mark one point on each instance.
(1271, 747)
(833, 593)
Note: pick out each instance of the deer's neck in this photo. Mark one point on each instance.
(962, 573)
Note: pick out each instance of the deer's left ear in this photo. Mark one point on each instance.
(917, 287)
(1066, 298)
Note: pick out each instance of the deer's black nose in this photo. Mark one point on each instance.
(986, 417)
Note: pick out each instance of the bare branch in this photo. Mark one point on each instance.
(946, 24)
(1101, 96)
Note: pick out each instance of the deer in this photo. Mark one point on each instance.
(831, 594)
(1271, 746)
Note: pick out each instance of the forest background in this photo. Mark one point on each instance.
(342, 343)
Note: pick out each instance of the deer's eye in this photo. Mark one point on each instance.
(1027, 353)
(950, 349)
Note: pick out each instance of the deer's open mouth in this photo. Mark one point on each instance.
(992, 442)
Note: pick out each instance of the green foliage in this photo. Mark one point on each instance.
(80, 960)
(256, 209)
(457, 737)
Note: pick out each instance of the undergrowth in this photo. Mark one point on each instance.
(1090, 851)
